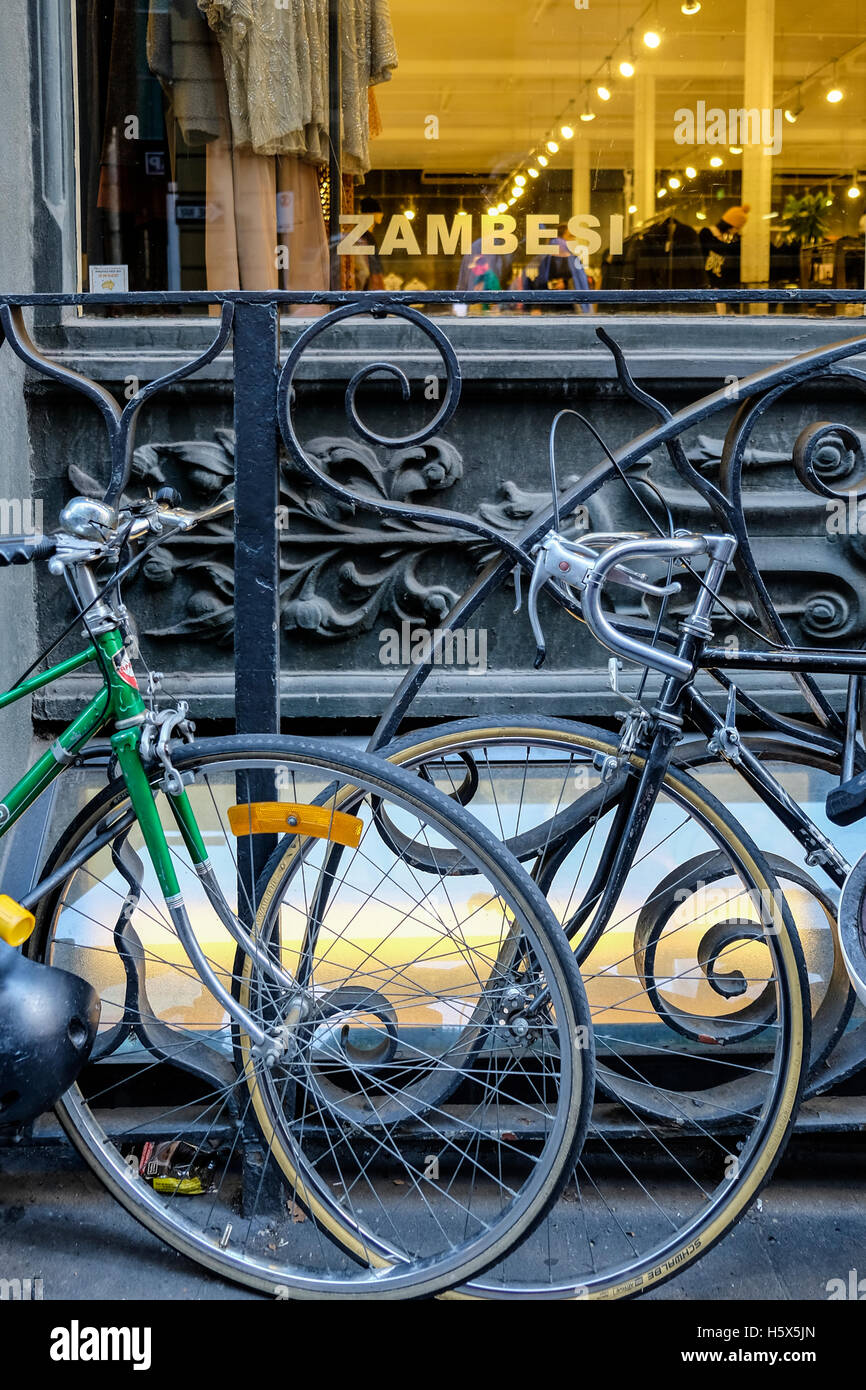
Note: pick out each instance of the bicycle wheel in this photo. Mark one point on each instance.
(697, 990)
(379, 1155)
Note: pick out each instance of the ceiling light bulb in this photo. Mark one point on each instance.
(716, 162)
(632, 208)
(691, 173)
(701, 216)
(835, 95)
(502, 207)
(520, 180)
(543, 160)
(517, 191)
(491, 212)
(626, 68)
(587, 115)
(690, 7)
(662, 193)
(674, 182)
(532, 171)
(567, 132)
(791, 116)
(853, 191)
(553, 147)
(735, 149)
(510, 203)
(651, 38)
(409, 214)
(603, 93)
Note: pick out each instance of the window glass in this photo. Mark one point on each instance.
(483, 144)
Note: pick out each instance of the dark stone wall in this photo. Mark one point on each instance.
(348, 579)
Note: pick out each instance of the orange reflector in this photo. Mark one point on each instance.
(279, 817)
(16, 923)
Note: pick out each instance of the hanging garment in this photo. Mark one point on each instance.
(265, 228)
(276, 70)
(666, 255)
(182, 51)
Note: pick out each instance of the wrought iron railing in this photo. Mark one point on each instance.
(263, 390)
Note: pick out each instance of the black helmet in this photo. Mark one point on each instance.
(48, 1021)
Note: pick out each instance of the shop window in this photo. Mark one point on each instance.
(484, 144)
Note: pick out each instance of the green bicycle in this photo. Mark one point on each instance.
(321, 1073)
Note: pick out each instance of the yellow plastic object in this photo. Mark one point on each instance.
(277, 817)
(187, 1187)
(16, 923)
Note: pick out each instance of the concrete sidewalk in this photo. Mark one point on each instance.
(58, 1224)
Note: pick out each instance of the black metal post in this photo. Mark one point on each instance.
(335, 136)
(257, 561)
(257, 556)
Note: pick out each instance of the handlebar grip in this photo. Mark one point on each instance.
(21, 550)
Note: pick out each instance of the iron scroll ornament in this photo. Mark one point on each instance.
(765, 385)
(379, 506)
(120, 423)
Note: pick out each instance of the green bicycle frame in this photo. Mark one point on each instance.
(120, 707)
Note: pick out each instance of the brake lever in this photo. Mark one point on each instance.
(571, 563)
(540, 577)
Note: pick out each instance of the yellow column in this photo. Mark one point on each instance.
(644, 193)
(757, 164)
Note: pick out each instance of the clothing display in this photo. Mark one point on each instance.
(276, 72)
(265, 228)
(664, 254)
(182, 51)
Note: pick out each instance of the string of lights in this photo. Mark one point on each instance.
(600, 83)
(538, 158)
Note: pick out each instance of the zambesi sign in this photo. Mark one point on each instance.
(499, 235)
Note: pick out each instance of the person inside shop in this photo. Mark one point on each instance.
(562, 269)
(720, 245)
(369, 274)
